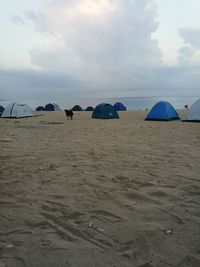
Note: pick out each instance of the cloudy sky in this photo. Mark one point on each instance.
(99, 48)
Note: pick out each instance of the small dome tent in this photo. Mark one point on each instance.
(49, 107)
(105, 111)
(40, 108)
(193, 113)
(52, 107)
(1, 110)
(89, 108)
(119, 106)
(163, 111)
(57, 107)
(77, 108)
(15, 110)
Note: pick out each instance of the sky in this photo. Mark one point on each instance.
(58, 49)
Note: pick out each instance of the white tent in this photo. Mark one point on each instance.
(56, 107)
(15, 110)
(193, 113)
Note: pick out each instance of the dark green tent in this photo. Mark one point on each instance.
(105, 111)
(89, 108)
(77, 108)
(40, 108)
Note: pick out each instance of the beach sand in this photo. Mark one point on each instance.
(99, 192)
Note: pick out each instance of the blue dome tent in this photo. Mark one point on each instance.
(52, 107)
(1, 110)
(49, 107)
(105, 111)
(163, 111)
(119, 106)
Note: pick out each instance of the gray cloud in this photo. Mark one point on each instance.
(30, 84)
(17, 20)
(34, 16)
(191, 36)
(184, 55)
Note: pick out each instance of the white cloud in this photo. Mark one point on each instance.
(98, 41)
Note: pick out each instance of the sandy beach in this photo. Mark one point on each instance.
(103, 193)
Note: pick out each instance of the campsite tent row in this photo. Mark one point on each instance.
(49, 107)
(102, 111)
(118, 107)
(162, 111)
(14, 110)
(54, 107)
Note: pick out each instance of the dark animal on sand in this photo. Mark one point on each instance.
(69, 114)
(186, 106)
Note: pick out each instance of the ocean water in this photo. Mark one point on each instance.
(131, 103)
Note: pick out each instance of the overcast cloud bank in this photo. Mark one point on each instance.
(101, 48)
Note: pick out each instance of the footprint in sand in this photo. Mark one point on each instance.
(2, 264)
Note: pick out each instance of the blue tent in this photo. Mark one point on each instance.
(105, 111)
(162, 111)
(1, 110)
(49, 107)
(119, 106)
